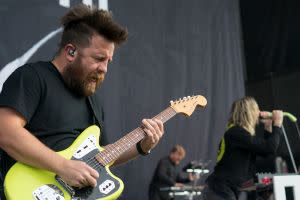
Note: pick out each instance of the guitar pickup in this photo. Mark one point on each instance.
(107, 186)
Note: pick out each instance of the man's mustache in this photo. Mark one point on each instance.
(97, 77)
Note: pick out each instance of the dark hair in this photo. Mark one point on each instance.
(82, 22)
(178, 148)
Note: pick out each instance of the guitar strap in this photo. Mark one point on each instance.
(95, 117)
(98, 119)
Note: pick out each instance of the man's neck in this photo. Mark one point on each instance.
(58, 62)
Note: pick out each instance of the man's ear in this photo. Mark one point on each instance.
(70, 52)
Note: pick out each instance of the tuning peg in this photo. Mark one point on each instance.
(184, 98)
(171, 101)
(188, 97)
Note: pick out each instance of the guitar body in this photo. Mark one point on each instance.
(27, 183)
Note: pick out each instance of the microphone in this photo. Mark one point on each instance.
(285, 114)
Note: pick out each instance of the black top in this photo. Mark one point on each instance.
(166, 175)
(53, 113)
(237, 155)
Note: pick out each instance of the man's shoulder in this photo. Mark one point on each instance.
(34, 67)
(39, 66)
(164, 160)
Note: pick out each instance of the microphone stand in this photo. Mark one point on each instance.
(289, 148)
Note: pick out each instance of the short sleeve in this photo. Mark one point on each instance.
(22, 91)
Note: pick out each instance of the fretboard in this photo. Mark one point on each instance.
(113, 151)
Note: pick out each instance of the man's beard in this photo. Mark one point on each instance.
(82, 86)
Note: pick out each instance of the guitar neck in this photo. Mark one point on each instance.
(115, 150)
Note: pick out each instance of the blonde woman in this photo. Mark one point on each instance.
(239, 147)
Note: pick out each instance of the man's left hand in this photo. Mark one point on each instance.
(154, 130)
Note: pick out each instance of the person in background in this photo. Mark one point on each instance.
(239, 146)
(167, 174)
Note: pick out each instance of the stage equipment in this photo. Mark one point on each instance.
(186, 191)
(287, 187)
(197, 167)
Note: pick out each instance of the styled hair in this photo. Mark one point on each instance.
(81, 22)
(178, 148)
(244, 113)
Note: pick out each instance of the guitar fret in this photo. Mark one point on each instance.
(116, 148)
(109, 154)
(99, 158)
(114, 152)
(105, 158)
(119, 148)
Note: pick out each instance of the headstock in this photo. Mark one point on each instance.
(187, 105)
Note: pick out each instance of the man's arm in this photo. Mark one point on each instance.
(24, 147)
(154, 130)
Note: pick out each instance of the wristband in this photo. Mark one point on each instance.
(140, 150)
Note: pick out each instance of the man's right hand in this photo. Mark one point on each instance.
(78, 174)
(179, 185)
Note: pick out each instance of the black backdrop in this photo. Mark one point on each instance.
(271, 36)
(175, 48)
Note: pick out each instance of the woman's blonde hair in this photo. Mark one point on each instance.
(244, 113)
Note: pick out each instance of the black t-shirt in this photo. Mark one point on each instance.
(238, 150)
(53, 113)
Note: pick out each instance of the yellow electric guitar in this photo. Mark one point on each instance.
(24, 182)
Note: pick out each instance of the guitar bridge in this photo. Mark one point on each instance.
(68, 188)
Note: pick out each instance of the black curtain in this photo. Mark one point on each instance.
(271, 36)
(175, 48)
